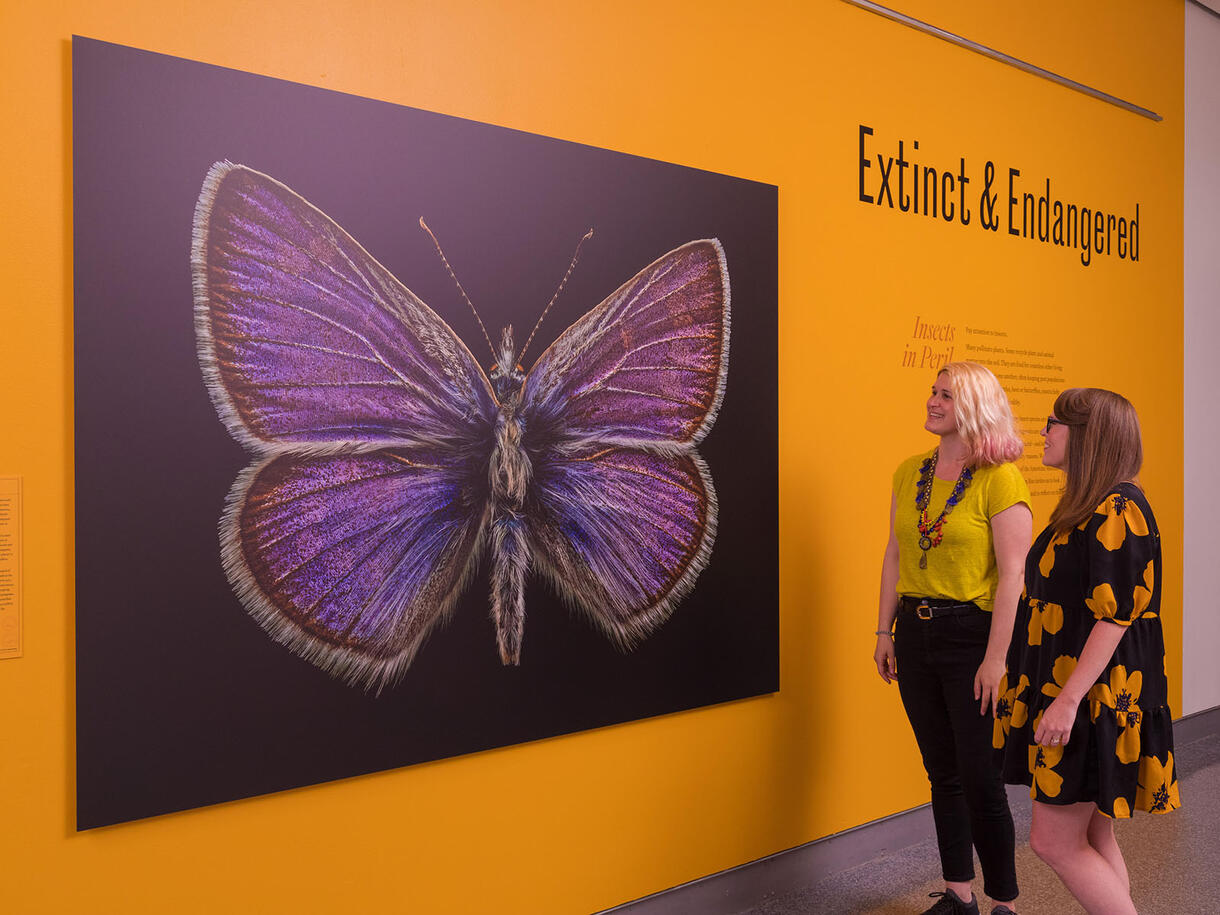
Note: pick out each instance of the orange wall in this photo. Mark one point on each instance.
(772, 91)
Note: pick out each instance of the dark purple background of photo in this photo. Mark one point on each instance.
(182, 700)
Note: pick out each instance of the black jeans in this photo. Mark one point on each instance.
(937, 660)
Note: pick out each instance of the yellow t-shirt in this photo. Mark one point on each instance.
(963, 567)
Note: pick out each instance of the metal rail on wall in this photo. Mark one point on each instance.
(1002, 57)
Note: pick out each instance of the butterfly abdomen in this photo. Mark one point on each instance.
(510, 562)
(510, 471)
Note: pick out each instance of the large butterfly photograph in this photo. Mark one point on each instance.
(401, 436)
(386, 461)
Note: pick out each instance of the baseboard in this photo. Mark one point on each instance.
(1191, 727)
(738, 888)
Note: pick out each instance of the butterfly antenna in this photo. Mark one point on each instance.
(562, 283)
(444, 260)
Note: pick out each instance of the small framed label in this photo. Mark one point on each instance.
(10, 568)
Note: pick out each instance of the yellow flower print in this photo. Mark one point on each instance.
(1042, 762)
(1064, 665)
(1047, 562)
(1121, 697)
(1121, 515)
(1157, 790)
(1010, 710)
(1043, 616)
(1143, 593)
(1035, 621)
(1102, 603)
(1122, 810)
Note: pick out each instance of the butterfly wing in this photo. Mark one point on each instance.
(625, 513)
(305, 340)
(646, 366)
(351, 559)
(623, 533)
(352, 533)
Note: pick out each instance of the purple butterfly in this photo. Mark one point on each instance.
(385, 461)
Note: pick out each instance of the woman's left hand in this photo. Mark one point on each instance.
(987, 685)
(1055, 727)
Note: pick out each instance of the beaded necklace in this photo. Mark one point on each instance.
(931, 534)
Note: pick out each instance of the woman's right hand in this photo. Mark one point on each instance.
(884, 656)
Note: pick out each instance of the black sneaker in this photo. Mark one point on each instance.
(951, 904)
(1001, 909)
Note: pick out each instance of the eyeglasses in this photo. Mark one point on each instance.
(1051, 421)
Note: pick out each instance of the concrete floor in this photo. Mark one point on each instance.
(1173, 859)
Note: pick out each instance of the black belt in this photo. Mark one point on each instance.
(927, 608)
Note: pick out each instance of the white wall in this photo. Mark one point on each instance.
(1201, 250)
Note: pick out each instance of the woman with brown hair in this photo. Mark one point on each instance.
(1084, 718)
(960, 526)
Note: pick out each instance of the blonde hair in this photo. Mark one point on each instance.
(1103, 449)
(984, 417)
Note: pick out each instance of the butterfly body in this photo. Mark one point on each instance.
(386, 462)
(509, 472)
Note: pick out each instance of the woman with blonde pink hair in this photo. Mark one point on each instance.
(960, 525)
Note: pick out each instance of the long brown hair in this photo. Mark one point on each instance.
(1103, 448)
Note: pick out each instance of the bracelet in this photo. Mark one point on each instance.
(884, 632)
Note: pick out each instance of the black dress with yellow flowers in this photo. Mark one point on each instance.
(1119, 755)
